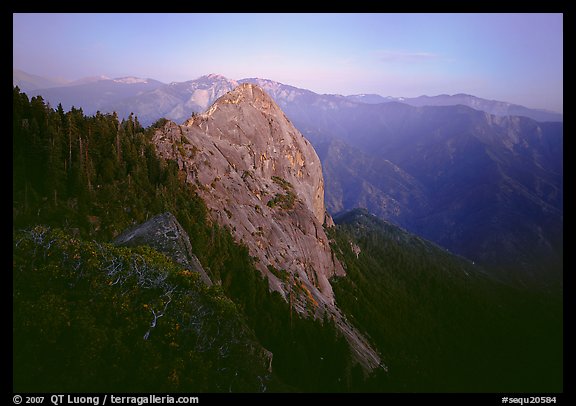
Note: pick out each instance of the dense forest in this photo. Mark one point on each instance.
(442, 324)
(79, 181)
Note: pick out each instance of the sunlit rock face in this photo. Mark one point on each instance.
(263, 180)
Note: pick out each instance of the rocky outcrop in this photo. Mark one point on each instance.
(263, 180)
(167, 236)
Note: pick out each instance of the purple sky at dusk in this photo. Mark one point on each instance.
(511, 57)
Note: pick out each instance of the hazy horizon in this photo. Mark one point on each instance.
(517, 58)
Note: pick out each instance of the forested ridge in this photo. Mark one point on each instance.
(87, 179)
(441, 323)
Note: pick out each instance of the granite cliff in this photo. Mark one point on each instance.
(263, 180)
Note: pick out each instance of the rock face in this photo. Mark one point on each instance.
(166, 235)
(263, 180)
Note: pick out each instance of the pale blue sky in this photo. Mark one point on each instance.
(511, 57)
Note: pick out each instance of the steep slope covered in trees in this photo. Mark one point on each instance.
(441, 323)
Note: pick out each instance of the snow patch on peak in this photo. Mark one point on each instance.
(129, 80)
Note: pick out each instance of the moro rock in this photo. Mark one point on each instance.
(263, 180)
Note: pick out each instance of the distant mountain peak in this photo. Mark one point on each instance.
(214, 76)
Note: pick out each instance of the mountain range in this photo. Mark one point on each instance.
(486, 187)
(459, 170)
(495, 107)
(177, 100)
